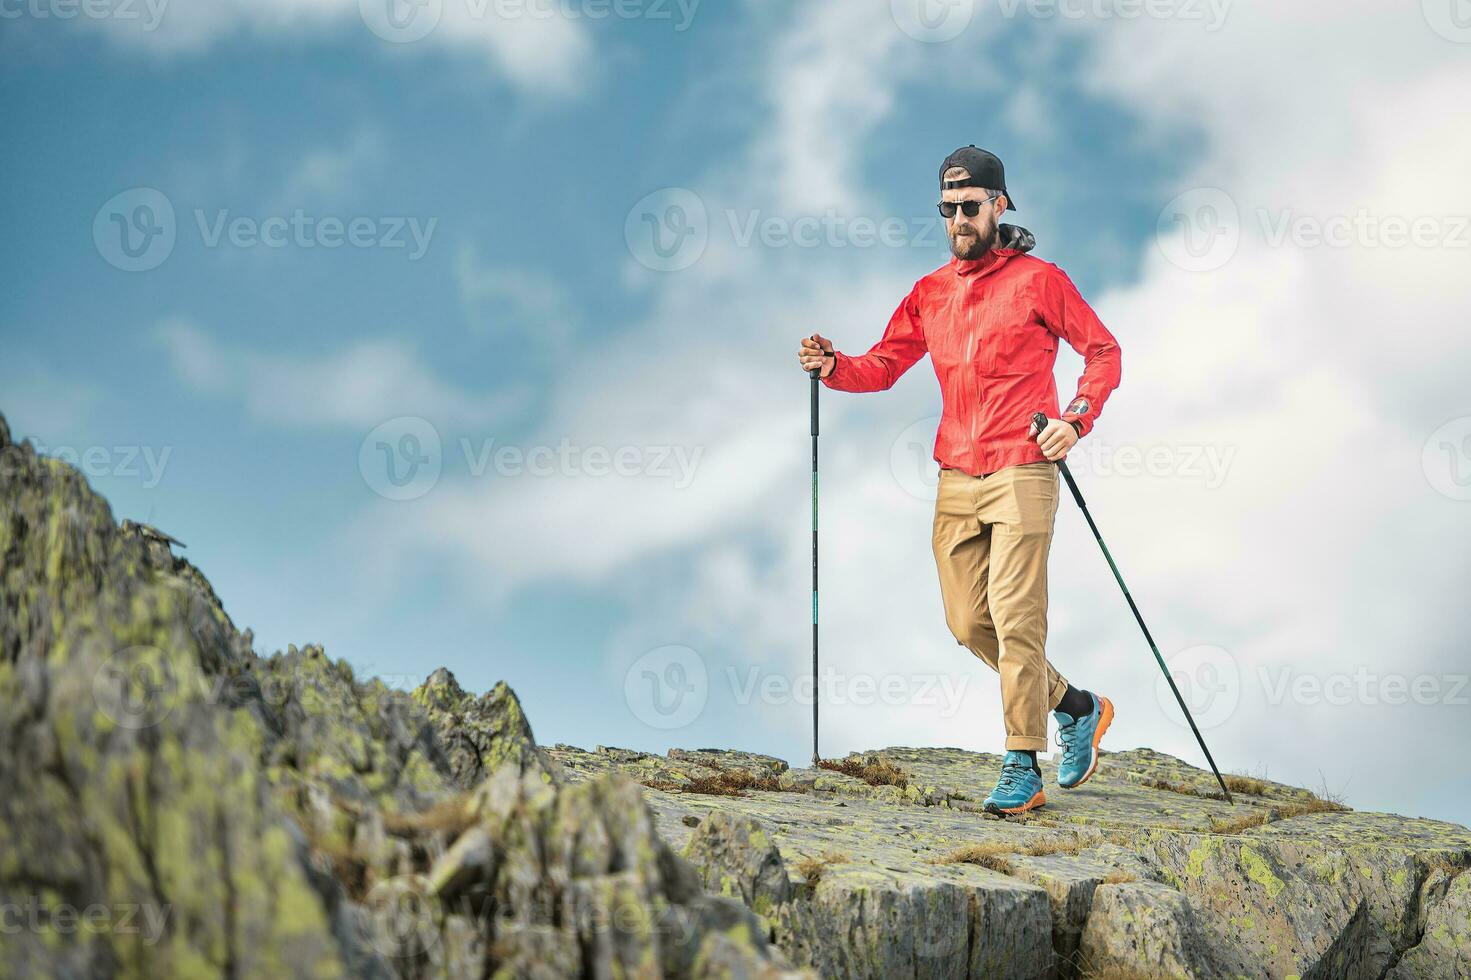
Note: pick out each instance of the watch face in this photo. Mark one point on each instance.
(1079, 406)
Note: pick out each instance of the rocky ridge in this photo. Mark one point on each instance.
(172, 803)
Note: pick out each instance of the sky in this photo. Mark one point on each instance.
(462, 333)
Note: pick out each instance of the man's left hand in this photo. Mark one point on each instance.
(1056, 439)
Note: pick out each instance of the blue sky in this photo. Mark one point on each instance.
(1296, 525)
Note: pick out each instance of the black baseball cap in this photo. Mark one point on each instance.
(985, 171)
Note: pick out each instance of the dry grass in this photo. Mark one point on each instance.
(1240, 822)
(997, 855)
(812, 868)
(725, 782)
(1119, 878)
(874, 772)
(1313, 804)
(1280, 811)
(1449, 862)
(1250, 785)
(1116, 973)
(1184, 789)
(347, 866)
(452, 816)
(1032, 818)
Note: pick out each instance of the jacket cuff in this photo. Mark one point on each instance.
(838, 359)
(1080, 413)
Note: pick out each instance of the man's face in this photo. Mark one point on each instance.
(971, 238)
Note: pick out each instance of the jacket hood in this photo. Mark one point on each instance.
(1011, 240)
(1015, 237)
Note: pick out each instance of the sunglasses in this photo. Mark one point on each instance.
(970, 208)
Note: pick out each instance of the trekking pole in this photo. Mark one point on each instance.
(1039, 420)
(816, 374)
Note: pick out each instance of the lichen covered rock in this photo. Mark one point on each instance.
(173, 804)
(207, 811)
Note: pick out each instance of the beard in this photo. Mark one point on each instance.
(969, 242)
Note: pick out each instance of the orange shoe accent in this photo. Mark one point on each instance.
(1105, 718)
(1039, 800)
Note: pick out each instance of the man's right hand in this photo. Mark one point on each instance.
(815, 353)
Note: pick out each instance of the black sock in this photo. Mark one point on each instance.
(1031, 754)
(1075, 702)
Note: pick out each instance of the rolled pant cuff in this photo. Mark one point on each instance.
(1055, 693)
(1024, 743)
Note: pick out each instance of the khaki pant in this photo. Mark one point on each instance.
(992, 535)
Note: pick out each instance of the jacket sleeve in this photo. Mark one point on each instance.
(1069, 316)
(901, 345)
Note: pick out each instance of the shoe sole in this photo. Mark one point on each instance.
(1105, 718)
(1039, 799)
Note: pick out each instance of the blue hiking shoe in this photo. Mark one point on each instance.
(1018, 789)
(1079, 738)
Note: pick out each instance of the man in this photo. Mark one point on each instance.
(990, 320)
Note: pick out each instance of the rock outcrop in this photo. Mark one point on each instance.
(172, 803)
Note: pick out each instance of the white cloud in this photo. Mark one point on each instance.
(356, 387)
(1321, 371)
(544, 53)
(333, 171)
(527, 302)
(44, 404)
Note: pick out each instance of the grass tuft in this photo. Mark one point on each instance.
(874, 771)
(1279, 811)
(812, 868)
(1250, 785)
(453, 815)
(997, 855)
(1184, 789)
(725, 782)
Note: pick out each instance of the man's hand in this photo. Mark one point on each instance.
(1056, 439)
(814, 354)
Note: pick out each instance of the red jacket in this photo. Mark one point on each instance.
(991, 326)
